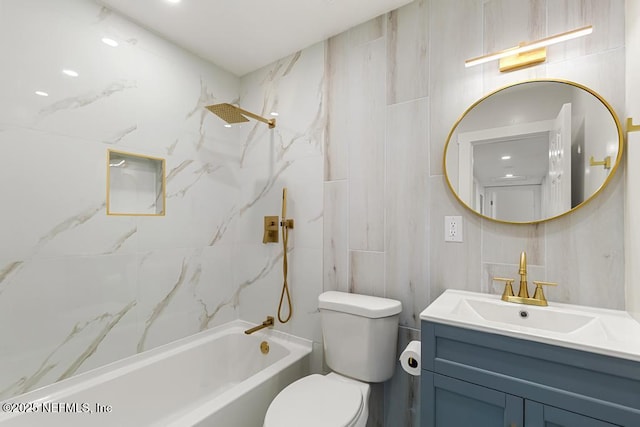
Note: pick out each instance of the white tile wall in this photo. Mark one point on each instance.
(363, 122)
(291, 156)
(90, 288)
(366, 273)
(335, 236)
(428, 88)
(366, 146)
(632, 229)
(406, 205)
(84, 287)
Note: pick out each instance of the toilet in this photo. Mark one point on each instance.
(359, 335)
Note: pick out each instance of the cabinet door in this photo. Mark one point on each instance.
(447, 402)
(539, 415)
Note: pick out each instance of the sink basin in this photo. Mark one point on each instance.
(610, 332)
(544, 318)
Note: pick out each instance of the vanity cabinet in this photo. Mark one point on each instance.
(478, 379)
(481, 406)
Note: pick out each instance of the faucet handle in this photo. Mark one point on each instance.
(508, 289)
(539, 294)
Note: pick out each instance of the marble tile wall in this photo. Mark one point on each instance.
(363, 123)
(632, 229)
(291, 156)
(78, 288)
(421, 50)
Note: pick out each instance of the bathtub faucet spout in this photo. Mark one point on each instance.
(265, 324)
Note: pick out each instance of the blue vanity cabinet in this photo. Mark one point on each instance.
(540, 415)
(443, 397)
(477, 379)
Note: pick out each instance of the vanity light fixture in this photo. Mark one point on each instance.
(527, 53)
(508, 175)
(505, 157)
(41, 93)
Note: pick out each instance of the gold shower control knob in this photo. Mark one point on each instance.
(270, 230)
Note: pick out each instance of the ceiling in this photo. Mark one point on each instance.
(528, 162)
(242, 36)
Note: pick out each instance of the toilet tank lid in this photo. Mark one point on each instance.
(359, 305)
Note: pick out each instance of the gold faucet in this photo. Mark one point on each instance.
(267, 323)
(523, 292)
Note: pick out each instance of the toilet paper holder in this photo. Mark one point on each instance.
(410, 358)
(412, 362)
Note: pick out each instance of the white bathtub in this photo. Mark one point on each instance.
(218, 377)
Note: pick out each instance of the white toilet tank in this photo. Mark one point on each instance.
(360, 334)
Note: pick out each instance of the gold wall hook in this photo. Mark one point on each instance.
(631, 127)
(606, 162)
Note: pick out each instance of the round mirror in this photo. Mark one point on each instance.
(533, 151)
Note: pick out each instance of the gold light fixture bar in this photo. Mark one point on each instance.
(522, 60)
(527, 53)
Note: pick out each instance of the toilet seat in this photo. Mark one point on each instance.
(319, 401)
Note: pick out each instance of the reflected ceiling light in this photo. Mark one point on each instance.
(109, 42)
(528, 53)
(41, 93)
(227, 126)
(505, 157)
(174, 1)
(274, 114)
(70, 73)
(508, 175)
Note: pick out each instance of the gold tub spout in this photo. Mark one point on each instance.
(265, 324)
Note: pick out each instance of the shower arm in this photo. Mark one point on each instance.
(270, 122)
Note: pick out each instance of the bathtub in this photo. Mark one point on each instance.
(218, 377)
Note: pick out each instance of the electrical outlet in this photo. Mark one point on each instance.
(453, 229)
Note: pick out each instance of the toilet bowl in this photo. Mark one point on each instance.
(359, 338)
(320, 401)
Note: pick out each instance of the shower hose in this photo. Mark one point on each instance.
(285, 241)
(285, 285)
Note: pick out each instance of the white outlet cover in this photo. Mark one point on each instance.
(453, 229)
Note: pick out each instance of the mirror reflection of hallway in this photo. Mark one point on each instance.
(529, 144)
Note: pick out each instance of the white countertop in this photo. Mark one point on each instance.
(609, 332)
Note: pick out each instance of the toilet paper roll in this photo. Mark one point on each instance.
(410, 358)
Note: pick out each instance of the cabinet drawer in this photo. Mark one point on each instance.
(595, 385)
(539, 415)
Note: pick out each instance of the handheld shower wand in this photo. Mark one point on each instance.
(286, 225)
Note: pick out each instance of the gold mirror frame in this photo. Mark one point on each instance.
(606, 181)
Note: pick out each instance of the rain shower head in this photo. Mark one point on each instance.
(232, 114)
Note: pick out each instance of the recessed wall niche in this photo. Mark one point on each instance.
(135, 184)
